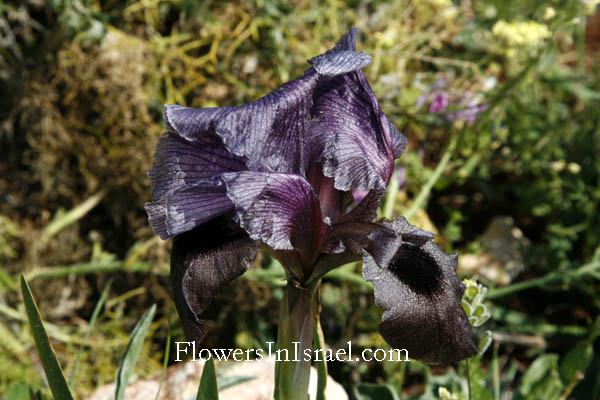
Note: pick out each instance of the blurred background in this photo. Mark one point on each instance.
(499, 100)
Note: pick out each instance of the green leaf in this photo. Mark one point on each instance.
(576, 360)
(226, 382)
(372, 391)
(19, 391)
(541, 377)
(132, 352)
(52, 369)
(93, 319)
(208, 389)
(37, 395)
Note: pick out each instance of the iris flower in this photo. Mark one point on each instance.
(279, 172)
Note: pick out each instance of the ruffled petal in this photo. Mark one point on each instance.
(204, 260)
(399, 141)
(271, 132)
(281, 210)
(421, 296)
(347, 241)
(350, 135)
(193, 124)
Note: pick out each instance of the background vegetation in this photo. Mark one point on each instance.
(500, 103)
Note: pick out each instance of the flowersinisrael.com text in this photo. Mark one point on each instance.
(183, 349)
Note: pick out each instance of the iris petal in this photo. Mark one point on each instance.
(271, 132)
(421, 296)
(350, 135)
(188, 207)
(281, 210)
(204, 260)
(184, 194)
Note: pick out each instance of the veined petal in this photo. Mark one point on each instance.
(281, 210)
(188, 207)
(399, 141)
(350, 135)
(366, 209)
(179, 162)
(421, 296)
(193, 123)
(347, 241)
(271, 132)
(204, 260)
(337, 61)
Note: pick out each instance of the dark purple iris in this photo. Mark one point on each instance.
(281, 171)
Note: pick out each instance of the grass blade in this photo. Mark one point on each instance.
(166, 359)
(93, 319)
(52, 369)
(208, 382)
(226, 382)
(132, 352)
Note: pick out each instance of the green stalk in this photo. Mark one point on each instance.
(319, 344)
(426, 189)
(295, 334)
(552, 277)
(392, 194)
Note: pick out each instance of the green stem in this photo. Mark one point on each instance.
(319, 344)
(468, 379)
(496, 372)
(392, 194)
(294, 336)
(90, 268)
(426, 189)
(552, 277)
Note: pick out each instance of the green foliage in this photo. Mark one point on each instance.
(132, 353)
(208, 382)
(54, 374)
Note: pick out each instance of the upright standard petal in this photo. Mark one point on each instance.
(271, 132)
(204, 260)
(421, 296)
(350, 135)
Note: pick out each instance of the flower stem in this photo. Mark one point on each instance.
(468, 380)
(426, 189)
(553, 277)
(294, 336)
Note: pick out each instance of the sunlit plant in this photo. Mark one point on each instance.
(280, 173)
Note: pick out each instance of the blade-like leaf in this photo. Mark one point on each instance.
(95, 314)
(226, 382)
(37, 395)
(52, 369)
(132, 352)
(208, 382)
(163, 374)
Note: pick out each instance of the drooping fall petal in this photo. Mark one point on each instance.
(204, 260)
(421, 296)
